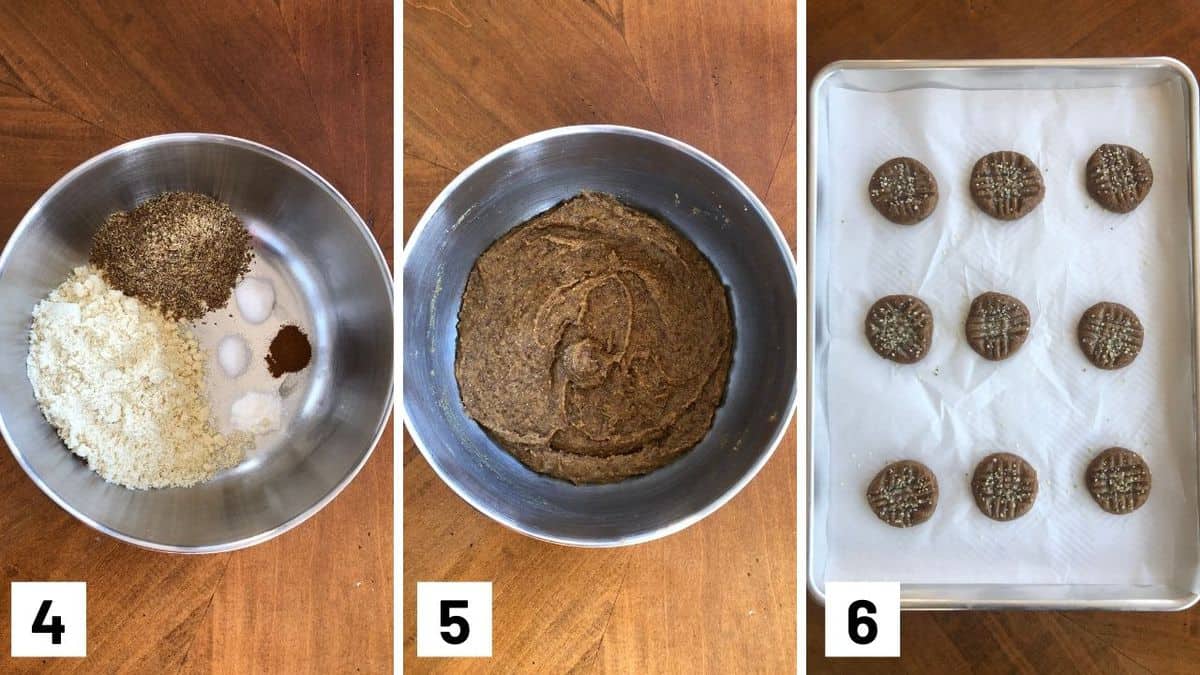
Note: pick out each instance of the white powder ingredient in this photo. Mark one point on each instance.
(215, 326)
(233, 354)
(255, 299)
(257, 412)
(124, 387)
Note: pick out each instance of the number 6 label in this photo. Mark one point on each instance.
(862, 619)
(454, 618)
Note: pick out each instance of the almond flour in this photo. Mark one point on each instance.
(124, 387)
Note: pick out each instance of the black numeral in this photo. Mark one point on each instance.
(54, 628)
(856, 621)
(448, 620)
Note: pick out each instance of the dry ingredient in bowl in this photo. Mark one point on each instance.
(258, 412)
(233, 355)
(290, 351)
(124, 387)
(181, 252)
(255, 299)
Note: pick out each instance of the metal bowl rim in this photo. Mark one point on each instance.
(785, 252)
(364, 231)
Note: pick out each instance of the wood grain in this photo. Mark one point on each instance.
(1003, 642)
(719, 596)
(314, 81)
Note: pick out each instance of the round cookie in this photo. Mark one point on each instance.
(1005, 486)
(1110, 335)
(1006, 185)
(900, 328)
(903, 190)
(903, 494)
(997, 325)
(1119, 480)
(1118, 177)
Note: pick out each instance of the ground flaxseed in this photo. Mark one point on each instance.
(179, 251)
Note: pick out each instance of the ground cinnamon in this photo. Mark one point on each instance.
(290, 351)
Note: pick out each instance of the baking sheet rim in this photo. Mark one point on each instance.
(937, 600)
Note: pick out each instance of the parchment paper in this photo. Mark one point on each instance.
(1047, 403)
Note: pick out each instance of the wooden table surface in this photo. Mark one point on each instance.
(1003, 642)
(720, 596)
(315, 81)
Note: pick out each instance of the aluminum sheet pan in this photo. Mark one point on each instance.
(1038, 74)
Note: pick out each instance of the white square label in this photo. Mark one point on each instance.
(454, 618)
(49, 618)
(862, 619)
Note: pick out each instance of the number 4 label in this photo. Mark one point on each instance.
(49, 618)
(454, 618)
(862, 619)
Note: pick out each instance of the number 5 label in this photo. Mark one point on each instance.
(862, 619)
(454, 618)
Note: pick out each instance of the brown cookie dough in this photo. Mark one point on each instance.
(997, 325)
(1119, 480)
(1110, 335)
(1005, 486)
(1006, 185)
(903, 190)
(903, 494)
(900, 328)
(1118, 177)
(594, 342)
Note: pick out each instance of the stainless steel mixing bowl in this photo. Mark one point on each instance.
(313, 238)
(714, 210)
